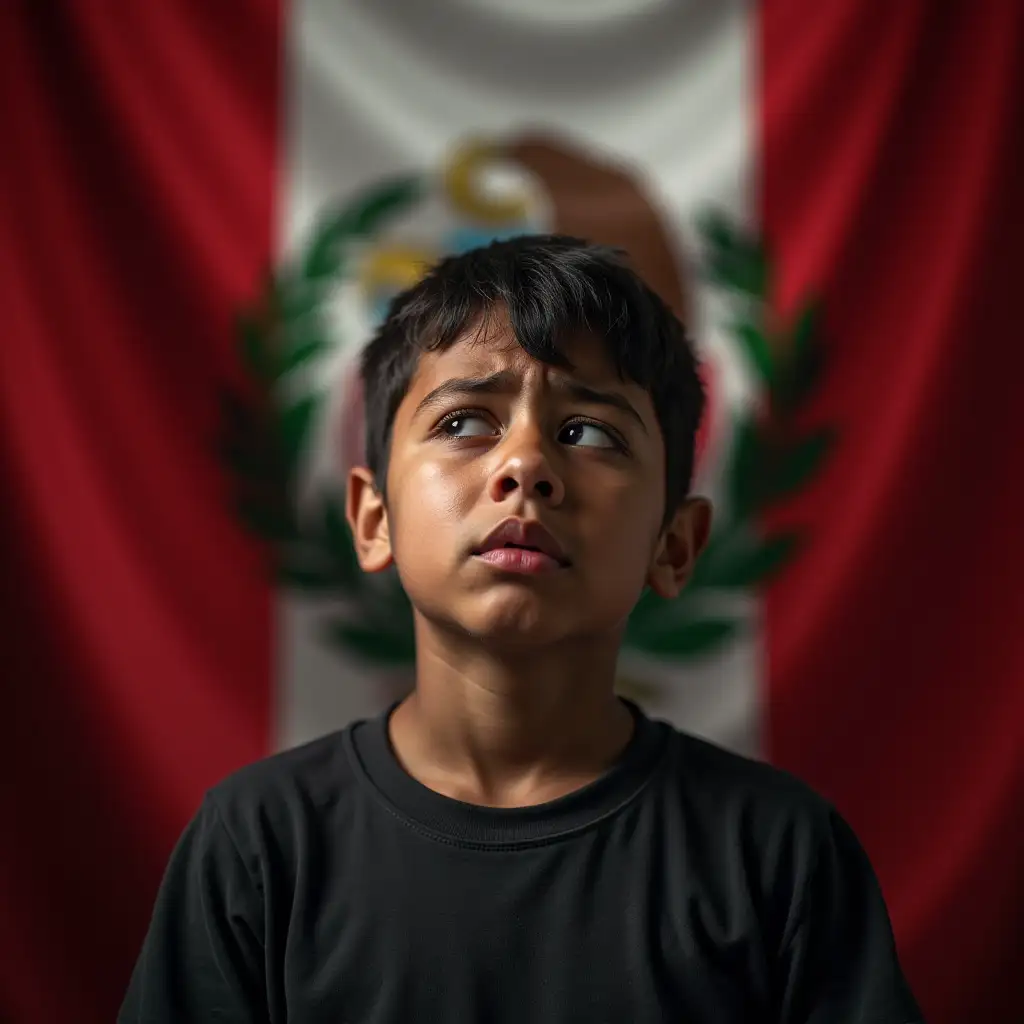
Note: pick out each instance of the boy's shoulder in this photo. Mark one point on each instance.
(284, 794)
(709, 771)
(779, 825)
(716, 777)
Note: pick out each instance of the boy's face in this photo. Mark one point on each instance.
(527, 447)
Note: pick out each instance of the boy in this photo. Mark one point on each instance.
(512, 841)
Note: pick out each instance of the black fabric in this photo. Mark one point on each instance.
(687, 884)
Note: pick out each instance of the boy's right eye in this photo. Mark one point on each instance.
(464, 424)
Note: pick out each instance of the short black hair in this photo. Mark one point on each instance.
(550, 287)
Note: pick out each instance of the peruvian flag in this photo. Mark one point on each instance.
(828, 193)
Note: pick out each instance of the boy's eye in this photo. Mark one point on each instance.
(587, 435)
(466, 425)
(579, 433)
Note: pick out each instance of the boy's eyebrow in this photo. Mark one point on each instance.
(503, 381)
(592, 396)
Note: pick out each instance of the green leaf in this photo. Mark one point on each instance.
(255, 352)
(323, 258)
(383, 201)
(648, 604)
(298, 298)
(714, 226)
(756, 346)
(325, 255)
(732, 260)
(803, 361)
(388, 648)
(302, 352)
(745, 480)
(752, 561)
(805, 330)
(796, 464)
(743, 271)
(687, 638)
(653, 615)
(706, 560)
(295, 423)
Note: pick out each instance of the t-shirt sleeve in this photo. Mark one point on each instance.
(202, 957)
(839, 963)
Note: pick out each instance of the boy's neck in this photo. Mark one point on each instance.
(511, 731)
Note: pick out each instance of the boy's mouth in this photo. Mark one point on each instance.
(520, 560)
(524, 544)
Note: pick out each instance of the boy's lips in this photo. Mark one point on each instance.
(523, 534)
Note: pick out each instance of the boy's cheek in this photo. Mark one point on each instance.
(440, 509)
(431, 497)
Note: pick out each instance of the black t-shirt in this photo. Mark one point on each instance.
(687, 884)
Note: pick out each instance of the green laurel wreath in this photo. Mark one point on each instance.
(267, 421)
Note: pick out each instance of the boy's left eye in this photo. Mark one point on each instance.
(587, 435)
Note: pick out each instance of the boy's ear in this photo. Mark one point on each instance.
(680, 543)
(368, 520)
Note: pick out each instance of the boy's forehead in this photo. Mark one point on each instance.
(482, 357)
(480, 352)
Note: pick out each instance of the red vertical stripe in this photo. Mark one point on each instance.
(136, 195)
(892, 155)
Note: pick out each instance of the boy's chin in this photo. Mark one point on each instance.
(517, 622)
(518, 636)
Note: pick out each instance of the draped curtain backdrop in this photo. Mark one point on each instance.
(139, 198)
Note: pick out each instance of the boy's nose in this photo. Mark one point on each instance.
(527, 469)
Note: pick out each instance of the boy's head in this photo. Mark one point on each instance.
(535, 379)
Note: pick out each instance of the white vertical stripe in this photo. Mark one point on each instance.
(383, 86)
